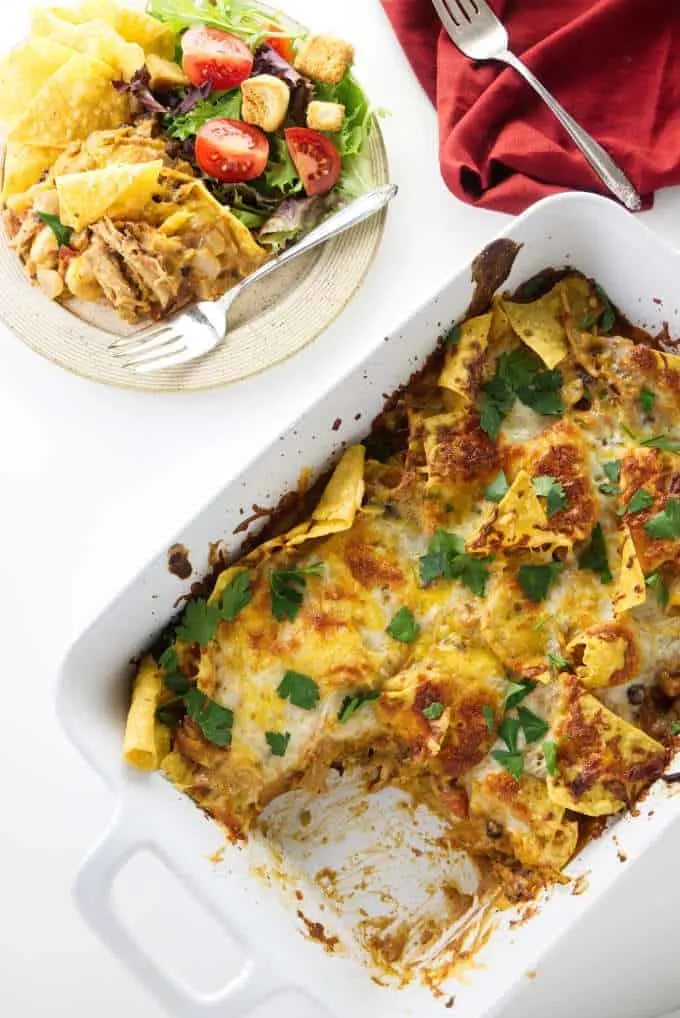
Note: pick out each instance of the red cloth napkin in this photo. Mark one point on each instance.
(613, 64)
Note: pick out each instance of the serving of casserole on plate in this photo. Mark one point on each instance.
(155, 159)
(415, 699)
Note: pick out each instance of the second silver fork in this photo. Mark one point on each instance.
(477, 32)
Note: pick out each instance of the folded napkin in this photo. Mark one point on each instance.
(613, 64)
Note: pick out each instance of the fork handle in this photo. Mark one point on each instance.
(600, 160)
(351, 215)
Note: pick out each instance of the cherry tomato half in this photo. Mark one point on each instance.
(283, 46)
(231, 151)
(316, 159)
(214, 56)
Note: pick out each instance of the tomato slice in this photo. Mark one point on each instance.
(316, 159)
(231, 151)
(218, 57)
(283, 46)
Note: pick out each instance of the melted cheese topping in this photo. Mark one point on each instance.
(551, 594)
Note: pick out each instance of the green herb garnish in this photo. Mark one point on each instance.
(594, 555)
(302, 691)
(446, 558)
(433, 711)
(404, 627)
(547, 487)
(452, 337)
(287, 588)
(638, 502)
(666, 524)
(557, 661)
(512, 762)
(664, 442)
(655, 582)
(489, 717)
(61, 232)
(517, 691)
(351, 704)
(613, 472)
(519, 375)
(550, 754)
(647, 398)
(534, 728)
(237, 594)
(675, 727)
(199, 622)
(278, 742)
(214, 720)
(498, 488)
(604, 318)
(508, 730)
(536, 581)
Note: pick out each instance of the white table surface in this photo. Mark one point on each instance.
(90, 486)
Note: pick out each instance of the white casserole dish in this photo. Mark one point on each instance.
(640, 273)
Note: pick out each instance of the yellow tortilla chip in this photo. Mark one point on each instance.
(518, 521)
(96, 38)
(674, 592)
(178, 770)
(119, 192)
(603, 762)
(146, 740)
(340, 501)
(630, 588)
(462, 371)
(24, 71)
(131, 25)
(604, 657)
(539, 325)
(24, 166)
(535, 826)
(78, 99)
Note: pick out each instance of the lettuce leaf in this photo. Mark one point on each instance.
(244, 18)
(356, 127)
(220, 104)
(296, 216)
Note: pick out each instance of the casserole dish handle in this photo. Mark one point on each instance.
(93, 893)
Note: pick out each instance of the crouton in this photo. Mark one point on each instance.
(265, 101)
(165, 73)
(325, 116)
(324, 58)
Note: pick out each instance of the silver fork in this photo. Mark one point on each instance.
(198, 330)
(477, 32)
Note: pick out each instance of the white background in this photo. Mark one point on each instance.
(93, 480)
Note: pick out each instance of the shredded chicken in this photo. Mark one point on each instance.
(147, 269)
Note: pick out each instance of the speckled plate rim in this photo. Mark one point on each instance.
(326, 286)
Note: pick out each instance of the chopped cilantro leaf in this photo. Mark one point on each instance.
(557, 661)
(534, 287)
(647, 398)
(543, 393)
(237, 594)
(452, 337)
(666, 524)
(536, 581)
(171, 712)
(664, 442)
(287, 588)
(517, 691)
(534, 728)
(277, 742)
(490, 417)
(655, 582)
(675, 727)
(489, 717)
(433, 711)
(639, 501)
(351, 704)
(214, 720)
(404, 627)
(302, 691)
(498, 488)
(613, 470)
(594, 555)
(176, 682)
(518, 375)
(169, 661)
(199, 622)
(547, 487)
(61, 232)
(606, 488)
(446, 558)
(550, 754)
(508, 730)
(607, 315)
(512, 762)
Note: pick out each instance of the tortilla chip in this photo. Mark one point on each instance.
(25, 165)
(119, 192)
(674, 592)
(539, 325)
(518, 522)
(95, 37)
(608, 654)
(179, 770)
(631, 590)
(131, 25)
(78, 99)
(24, 71)
(603, 762)
(340, 501)
(146, 741)
(462, 371)
(536, 827)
